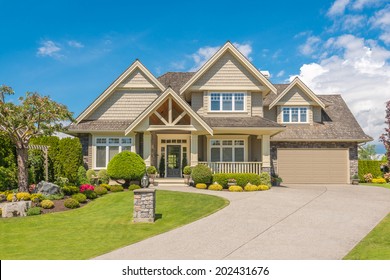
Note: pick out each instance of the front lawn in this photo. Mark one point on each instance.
(99, 227)
(375, 246)
(376, 185)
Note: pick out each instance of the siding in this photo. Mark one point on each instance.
(257, 104)
(197, 103)
(227, 71)
(124, 105)
(295, 97)
(137, 80)
(317, 114)
(270, 114)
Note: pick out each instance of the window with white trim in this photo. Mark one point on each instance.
(228, 150)
(108, 147)
(294, 114)
(227, 101)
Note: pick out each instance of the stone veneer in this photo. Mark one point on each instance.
(352, 146)
(144, 206)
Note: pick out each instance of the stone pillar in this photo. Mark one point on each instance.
(144, 206)
(194, 149)
(266, 153)
(147, 147)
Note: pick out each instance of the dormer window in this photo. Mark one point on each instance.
(295, 114)
(227, 101)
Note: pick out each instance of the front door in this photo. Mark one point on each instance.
(173, 160)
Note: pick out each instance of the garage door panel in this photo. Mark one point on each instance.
(313, 166)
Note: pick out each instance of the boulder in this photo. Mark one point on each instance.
(47, 188)
(15, 209)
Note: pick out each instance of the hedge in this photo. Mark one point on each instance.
(242, 179)
(369, 166)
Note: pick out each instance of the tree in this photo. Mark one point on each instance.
(385, 137)
(35, 115)
(127, 166)
(367, 152)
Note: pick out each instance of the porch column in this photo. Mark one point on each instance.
(147, 147)
(194, 149)
(266, 153)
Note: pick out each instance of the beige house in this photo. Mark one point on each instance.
(227, 115)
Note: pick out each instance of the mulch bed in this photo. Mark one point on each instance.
(59, 206)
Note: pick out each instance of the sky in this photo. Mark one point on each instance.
(73, 50)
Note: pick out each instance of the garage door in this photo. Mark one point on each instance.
(313, 166)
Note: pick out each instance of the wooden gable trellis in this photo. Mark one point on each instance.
(44, 149)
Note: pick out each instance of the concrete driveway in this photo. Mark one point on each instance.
(294, 222)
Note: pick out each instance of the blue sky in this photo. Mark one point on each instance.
(73, 50)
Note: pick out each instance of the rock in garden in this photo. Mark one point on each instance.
(47, 188)
(15, 209)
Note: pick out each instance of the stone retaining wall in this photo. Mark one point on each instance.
(144, 206)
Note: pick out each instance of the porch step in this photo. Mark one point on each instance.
(170, 182)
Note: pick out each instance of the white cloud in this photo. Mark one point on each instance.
(75, 44)
(245, 49)
(338, 8)
(49, 48)
(353, 22)
(359, 70)
(280, 74)
(310, 46)
(360, 4)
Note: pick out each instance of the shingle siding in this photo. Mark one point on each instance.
(257, 104)
(137, 80)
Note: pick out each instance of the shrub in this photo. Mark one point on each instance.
(368, 177)
(8, 169)
(71, 203)
(201, 186)
(82, 176)
(387, 176)
(235, 189)
(47, 204)
(55, 196)
(34, 211)
(1, 211)
(263, 187)
(215, 187)
(10, 196)
(201, 174)
(8, 177)
(187, 170)
(91, 174)
(69, 190)
(62, 181)
(101, 190)
(3, 197)
(86, 187)
(251, 188)
(116, 188)
(36, 196)
(126, 166)
(369, 166)
(103, 177)
(69, 158)
(23, 196)
(151, 170)
(80, 197)
(134, 187)
(265, 179)
(379, 181)
(90, 194)
(241, 179)
(106, 186)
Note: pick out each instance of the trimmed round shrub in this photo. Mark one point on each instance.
(69, 190)
(201, 186)
(201, 174)
(126, 166)
(103, 177)
(90, 174)
(36, 197)
(187, 170)
(9, 197)
(116, 188)
(80, 197)
(106, 186)
(134, 187)
(34, 211)
(241, 179)
(265, 179)
(215, 187)
(23, 196)
(47, 204)
(378, 181)
(90, 194)
(263, 187)
(251, 188)
(151, 170)
(235, 189)
(71, 203)
(101, 190)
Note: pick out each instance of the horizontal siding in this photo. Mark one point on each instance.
(227, 71)
(137, 80)
(317, 114)
(257, 104)
(124, 105)
(270, 114)
(295, 97)
(197, 103)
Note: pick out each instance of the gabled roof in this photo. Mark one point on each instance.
(228, 47)
(175, 80)
(159, 100)
(305, 89)
(137, 65)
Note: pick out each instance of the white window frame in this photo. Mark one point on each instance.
(107, 144)
(299, 108)
(244, 109)
(233, 146)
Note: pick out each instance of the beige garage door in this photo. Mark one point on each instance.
(313, 166)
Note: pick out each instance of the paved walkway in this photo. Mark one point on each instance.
(295, 222)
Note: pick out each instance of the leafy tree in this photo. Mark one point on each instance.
(35, 115)
(126, 166)
(367, 152)
(8, 169)
(385, 137)
(69, 159)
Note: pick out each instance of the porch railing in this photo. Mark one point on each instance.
(234, 167)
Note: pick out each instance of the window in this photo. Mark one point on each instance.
(294, 115)
(108, 147)
(220, 102)
(227, 150)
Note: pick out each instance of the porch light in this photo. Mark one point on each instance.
(145, 181)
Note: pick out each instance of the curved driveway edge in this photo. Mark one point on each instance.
(294, 222)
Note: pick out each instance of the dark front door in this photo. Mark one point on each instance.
(173, 160)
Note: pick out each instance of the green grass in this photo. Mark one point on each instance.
(376, 185)
(375, 246)
(99, 227)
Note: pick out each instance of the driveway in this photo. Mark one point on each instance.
(294, 222)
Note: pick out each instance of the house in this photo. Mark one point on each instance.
(227, 115)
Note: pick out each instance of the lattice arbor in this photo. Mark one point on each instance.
(45, 150)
